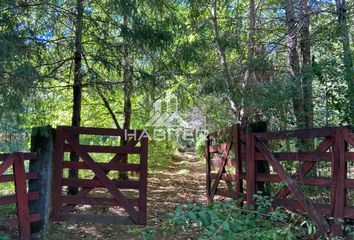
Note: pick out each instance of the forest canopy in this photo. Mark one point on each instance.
(105, 63)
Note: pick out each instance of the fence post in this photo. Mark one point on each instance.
(250, 168)
(207, 157)
(21, 197)
(42, 142)
(238, 162)
(339, 174)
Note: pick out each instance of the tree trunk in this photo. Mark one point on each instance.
(251, 41)
(347, 56)
(223, 61)
(305, 46)
(291, 43)
(127, 90)
(77, 87)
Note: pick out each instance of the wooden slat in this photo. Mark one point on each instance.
(32, 218)
(291, 204)
(26, 156)
(104, 166)
(307, 166)
(229, 162)
(96, 183)
(101, 175)
(314, 181)
(349, 156)
(221, 167)
(230, 194)
(23, 215)
(95, 201)
(349, 212)
(125, 220)
(225, 176)
(12, 198)
(11, 178)
(217, 148)
(313, 213)
(304, 156)
(7, 163)
(349, 183)
(308, 133)
(117, 158)
(105, 149)
(102, 131)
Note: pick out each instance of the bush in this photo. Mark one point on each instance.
(228, 220)
(160, 153)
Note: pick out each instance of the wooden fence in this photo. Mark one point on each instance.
(63, 204)
(18, 178)
(233, 160)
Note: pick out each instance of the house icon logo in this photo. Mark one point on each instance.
(165, 114)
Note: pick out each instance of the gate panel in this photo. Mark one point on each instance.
(332, 154)
(134, 207)
(19, 178)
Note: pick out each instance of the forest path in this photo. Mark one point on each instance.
(182, 182)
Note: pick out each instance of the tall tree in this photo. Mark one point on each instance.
(306, 73)
(347, 55)
(224, 65)
(291, 43)
(77, 86)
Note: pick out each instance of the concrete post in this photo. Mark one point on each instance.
(42, 140)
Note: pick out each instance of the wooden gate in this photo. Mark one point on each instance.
(332, 154)
(135, 208)
(18, 178)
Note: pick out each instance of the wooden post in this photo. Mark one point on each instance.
(21, 198)
(42, 142)
(238, 162)
(261, 166)
(58, 173)
(339, 174)
(207, 157)
(143, 181)
(250, 168)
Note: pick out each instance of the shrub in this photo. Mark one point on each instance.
(228, 220)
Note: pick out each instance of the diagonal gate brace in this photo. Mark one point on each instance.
(102, 177)
(313, 213)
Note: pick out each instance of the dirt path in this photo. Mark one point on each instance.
(181, 182)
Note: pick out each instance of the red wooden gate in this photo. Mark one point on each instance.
(21, 197)
(332, 152)
(136, 143)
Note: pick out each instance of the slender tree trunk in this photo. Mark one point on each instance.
(223, 61)
(305, 46)
(77, 87)
(291, 43)
(127, 90)
(251, 41)
(347, 56)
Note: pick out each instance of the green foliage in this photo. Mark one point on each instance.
(3, 236)
(228, 220)
(200, 147)
(160, 153)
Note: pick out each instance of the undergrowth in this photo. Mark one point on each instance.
(230, 220)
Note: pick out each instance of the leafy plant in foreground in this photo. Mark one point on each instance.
(226, 220)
